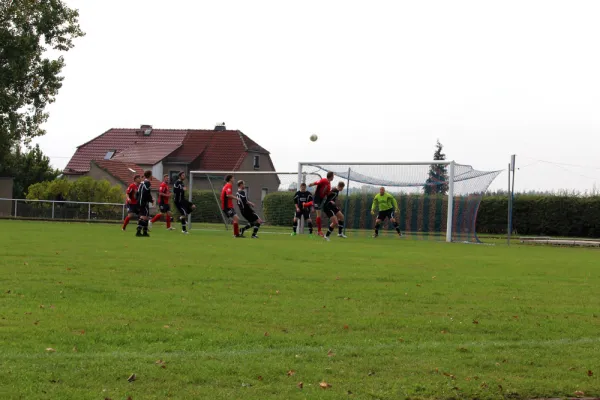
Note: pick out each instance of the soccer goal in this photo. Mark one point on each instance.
(437, 200)
(271, 192)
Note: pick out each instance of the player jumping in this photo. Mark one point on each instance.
(303, 200)
(144, 198)
(133, 208)
(247, 212)
(227, 198)
(164, 196)
(386, 203)
(183, 205)
(333, 212)
(323, 188)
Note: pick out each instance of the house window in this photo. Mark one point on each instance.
(256, 162)
(263, 193)
(109, 154)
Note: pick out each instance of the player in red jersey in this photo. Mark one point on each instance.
(164, 196)
(133, 207)
(227, 198)
(323, 188)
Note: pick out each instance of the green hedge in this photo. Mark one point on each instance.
(552, 215)
(547, 215)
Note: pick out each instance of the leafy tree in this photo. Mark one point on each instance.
(33, 34)
(437, 183)
(27, 169)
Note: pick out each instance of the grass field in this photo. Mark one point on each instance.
(208, 316)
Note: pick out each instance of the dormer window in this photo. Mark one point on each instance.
(109, 154)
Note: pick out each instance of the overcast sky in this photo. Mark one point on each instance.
(377, 80)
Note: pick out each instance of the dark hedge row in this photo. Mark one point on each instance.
(570, 216)
(551, 215)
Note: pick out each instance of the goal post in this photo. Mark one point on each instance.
(205, 191)
(437, 199)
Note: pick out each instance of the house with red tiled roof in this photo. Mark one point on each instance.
(116, 153)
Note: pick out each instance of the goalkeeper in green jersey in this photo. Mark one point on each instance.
(386, 204)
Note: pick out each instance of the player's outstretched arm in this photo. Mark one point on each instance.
(374, 204)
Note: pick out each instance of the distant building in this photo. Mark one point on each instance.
(117, 152)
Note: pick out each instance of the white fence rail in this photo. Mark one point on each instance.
(61, 210)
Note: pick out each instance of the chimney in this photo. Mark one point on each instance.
(220, 126)
(146, 130)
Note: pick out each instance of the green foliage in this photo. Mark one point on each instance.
(207, 208)
(32, 35)
(552, 215)
(26, 169)
(438, 174)
(548, 215)
(83, 189)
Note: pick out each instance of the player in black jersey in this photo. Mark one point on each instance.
(303, 200)
(144, 199)
(247, 211)
(333, 212)
(182, 204)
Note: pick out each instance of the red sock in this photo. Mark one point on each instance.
(236, 229)
(319, 224)
(156, 218)
(126, 221)
(168, 222)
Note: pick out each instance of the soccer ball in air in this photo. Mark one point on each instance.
(313, 138)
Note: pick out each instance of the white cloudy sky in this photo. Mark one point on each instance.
(377, 80)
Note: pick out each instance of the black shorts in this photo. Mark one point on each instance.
(386, 214)
(133, 208)
(184, 207)
(317, 202)
(144, 210)
(229, 212)
(164, 208)
(303, 212)
(251, 217)
(330, 210)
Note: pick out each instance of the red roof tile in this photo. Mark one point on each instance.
(222, 150)
(146, 153)
(122, 171)
(119, 140)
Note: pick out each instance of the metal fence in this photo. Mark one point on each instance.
(61, 210)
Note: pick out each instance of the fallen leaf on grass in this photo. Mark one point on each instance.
(260, 378)
(68, 269)
(330, 353)
(484, 385)
(324, 385)
(129, 398)
(475, 321)
(401, 340)
(50, 350)
(346, 327)
(131, 378)
(418, 285)
(449, 375)
(443, 332)
(590, 373)
(166, 326)
(277, 292)
(41, 306)
(300, 385)
(579, 393)
(36, 322)
(515, 316)
(291, 372)
(75, 349)
(349, 393)
(266, 333)
(433, 277)
(371, 373)
(8, 292)
(159, 362)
